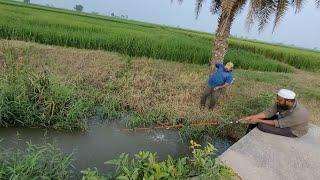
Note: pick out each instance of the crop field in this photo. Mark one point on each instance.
(60, 68)
(81, 30)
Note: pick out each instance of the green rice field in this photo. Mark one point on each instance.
(73, 29)
(61, 69)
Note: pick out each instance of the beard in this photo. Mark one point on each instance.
(282, 107)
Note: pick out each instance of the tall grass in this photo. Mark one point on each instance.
(38, 99)
(246, 60)
(35, 162)
(51, 26)
(301, 59)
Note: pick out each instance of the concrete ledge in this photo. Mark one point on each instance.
(260, 156)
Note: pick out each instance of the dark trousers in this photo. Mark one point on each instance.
(271, 129)
(214, 96)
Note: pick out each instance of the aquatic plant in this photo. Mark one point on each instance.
(145, 165)
(35, 162)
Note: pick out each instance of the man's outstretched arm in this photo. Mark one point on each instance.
(268, 122)
(260, 116)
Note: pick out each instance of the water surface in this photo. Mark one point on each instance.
(103, 142)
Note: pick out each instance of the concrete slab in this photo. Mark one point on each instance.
(263, 156)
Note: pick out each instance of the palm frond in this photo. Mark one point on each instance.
(262, 11)
(239, 5)
(255, 6)
(318, 3)
(282, 6)
(264, 14)
(298, 5)
(215, 7)
(198, 7)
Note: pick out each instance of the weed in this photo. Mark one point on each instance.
(36, 162)
(145, 165)
(38, 99)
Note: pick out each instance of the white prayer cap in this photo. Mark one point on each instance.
(287, 94)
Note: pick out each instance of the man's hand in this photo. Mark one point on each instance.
(220, 87)
(212, 67)
(245, 120)
(216, 88)
(250, 120)
(254, 120)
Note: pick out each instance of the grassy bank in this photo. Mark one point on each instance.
(158, 92)
(67, 28)
(37, 98)
(35, 162)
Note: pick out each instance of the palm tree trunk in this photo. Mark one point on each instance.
(221, 42)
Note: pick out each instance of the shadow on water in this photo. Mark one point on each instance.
(104, 142)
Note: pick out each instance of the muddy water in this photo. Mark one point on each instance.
(103, 142)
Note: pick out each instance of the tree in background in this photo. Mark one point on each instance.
(26, 1)
(260, 11)
(78, 7)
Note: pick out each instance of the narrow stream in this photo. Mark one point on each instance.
(103, 142)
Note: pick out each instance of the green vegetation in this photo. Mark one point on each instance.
(301, 59)
(148, 91)
(54, 87)
(36, 98)
(140, 92)
(35, 162)
(48, 162)
(246, 60)
(67, 28)
(144, 165)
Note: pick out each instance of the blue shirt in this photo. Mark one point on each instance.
(220, 77)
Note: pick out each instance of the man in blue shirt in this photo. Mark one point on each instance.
(219, 80)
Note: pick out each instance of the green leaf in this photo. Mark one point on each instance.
(122, 178)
